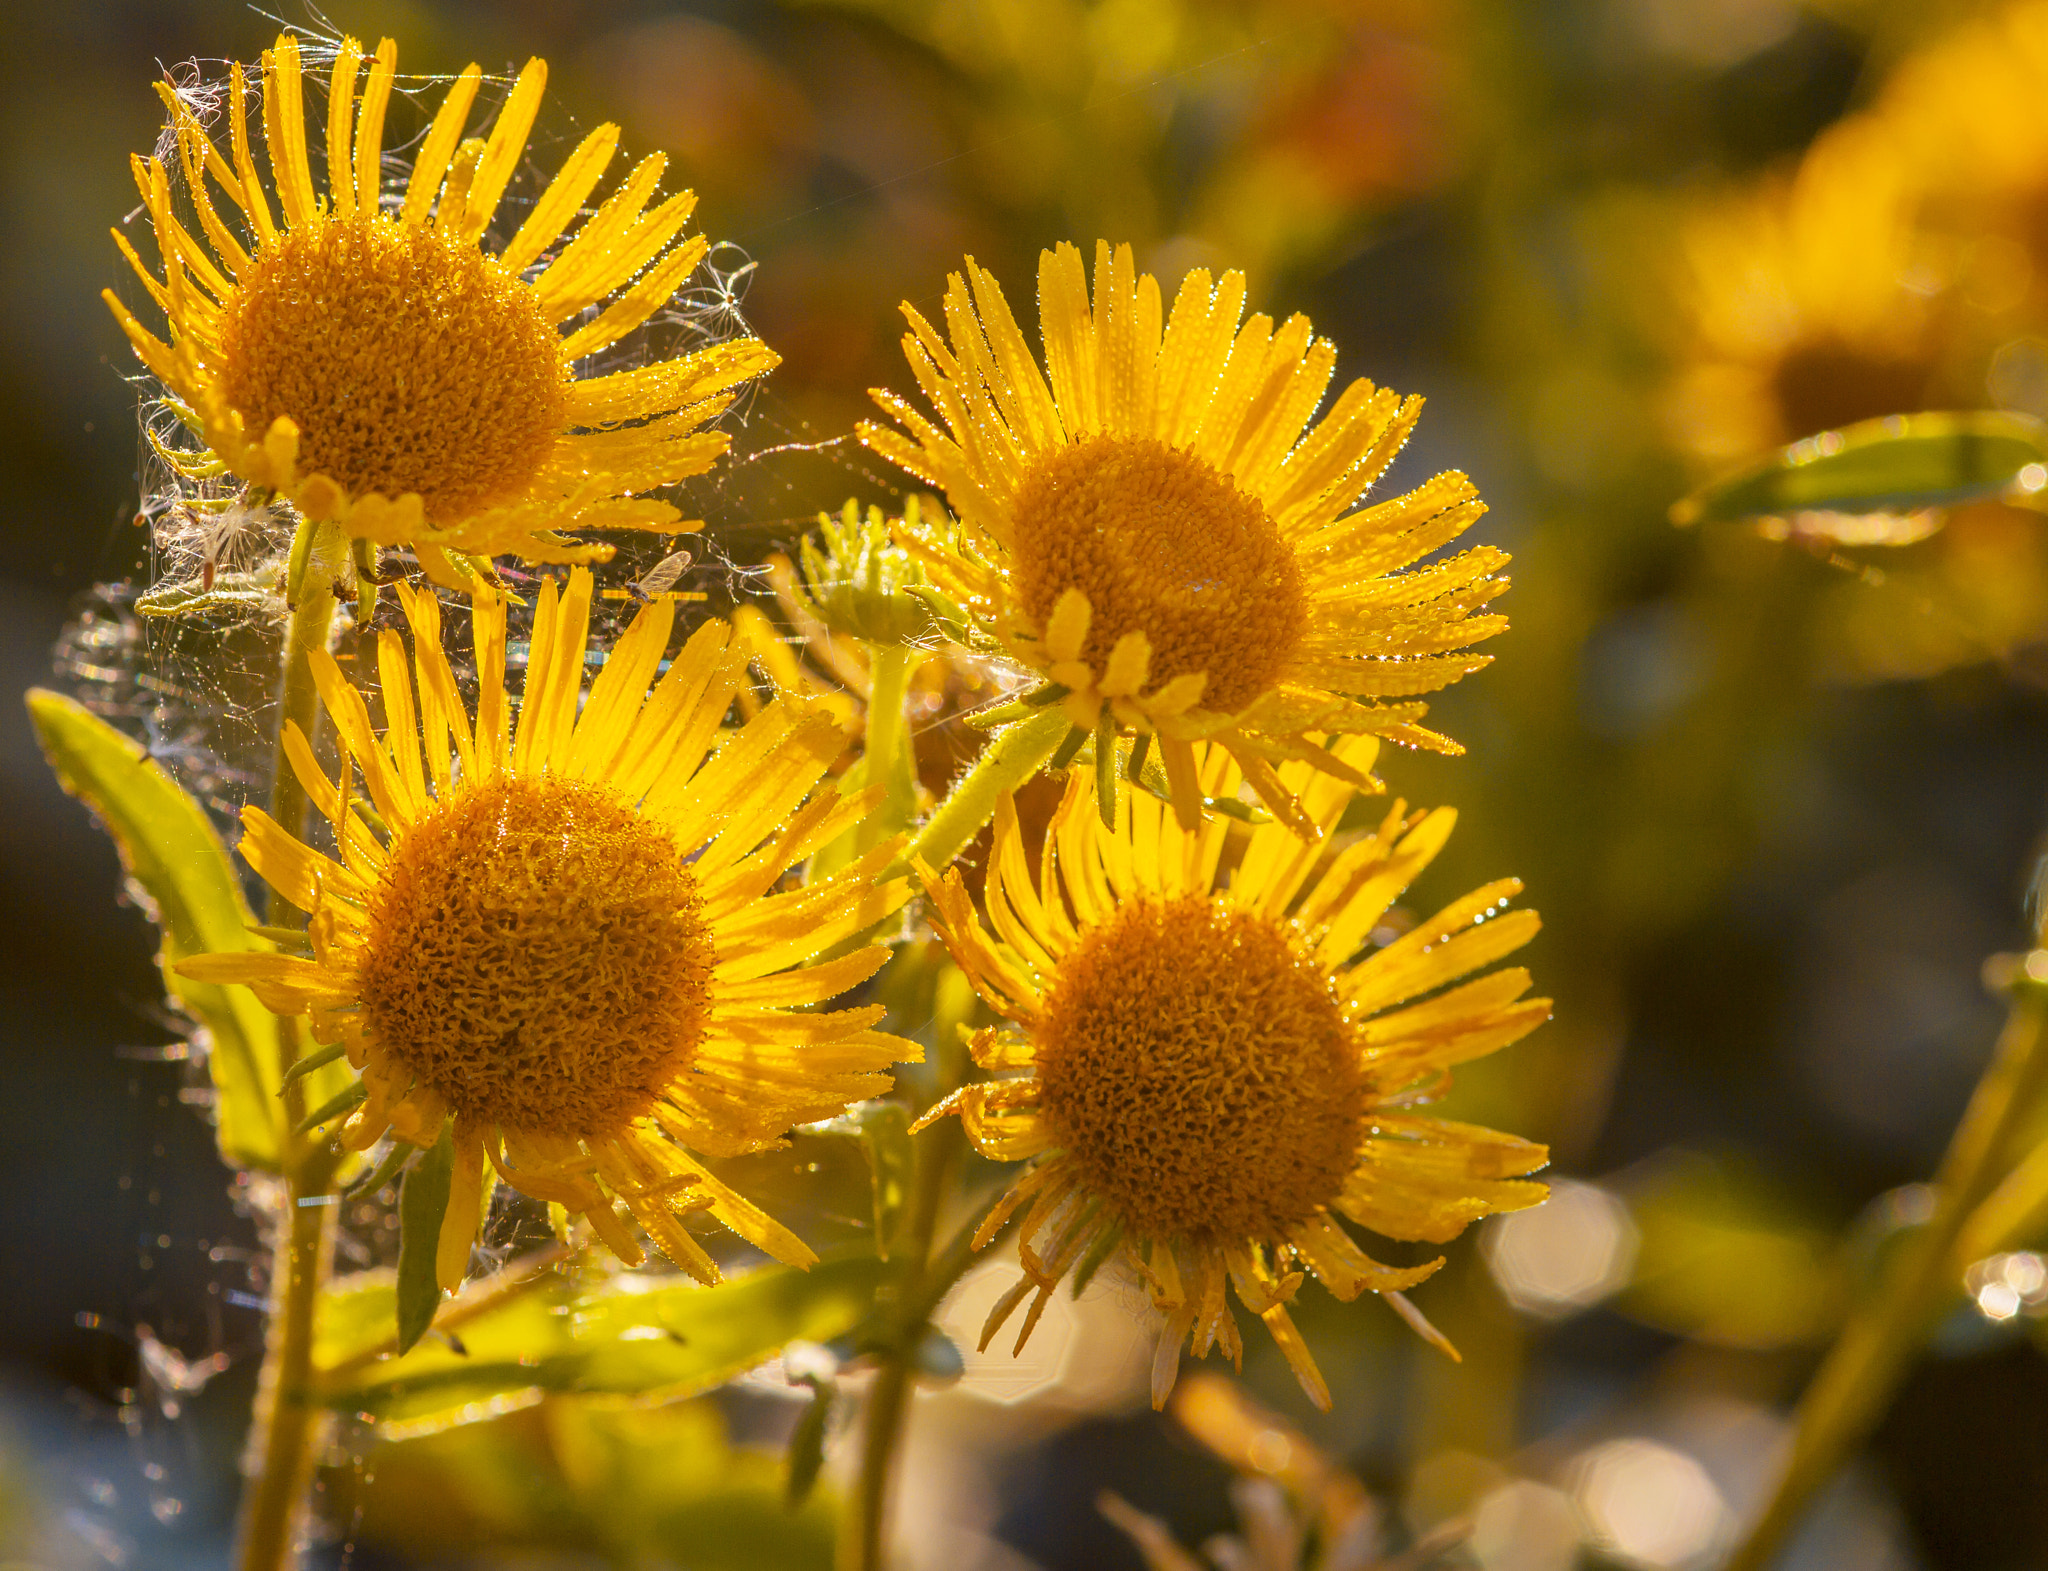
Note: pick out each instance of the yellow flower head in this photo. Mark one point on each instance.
(1970, 113)
(1155, 526)
(1206, 1076)
(365, 357)
(1796, 301)
(569, 937)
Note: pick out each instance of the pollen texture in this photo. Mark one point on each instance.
(537, 954)
(409, 361)
(1195, 1063)
(1161, 544)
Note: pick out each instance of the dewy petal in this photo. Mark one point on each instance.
(1089, 1036)
(484, 452)
(1217, 411)
(712, 1040)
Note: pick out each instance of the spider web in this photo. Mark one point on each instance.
(198, 693)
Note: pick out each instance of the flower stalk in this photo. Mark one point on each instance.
(925, 1281)
(864, 1526)
(889, 671)
(287, 1424)
(901, 1324)
(1849, 1394)
(1013, 755)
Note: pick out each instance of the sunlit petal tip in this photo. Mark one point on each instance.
(1169, 475)
(1134, 949)
(483, 430)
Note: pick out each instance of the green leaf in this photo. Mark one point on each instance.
(181, 874)
(718, 1332)
(319, 1059)
(1899, 463)
(807, 1441)
(885, 1138)
(636, 1336)
(422, 1202)
(388, 1168)
(589, 1483)
(354, 1316)
(1105, 767)
(348, 1098)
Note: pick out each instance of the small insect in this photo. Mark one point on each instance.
(661, 577)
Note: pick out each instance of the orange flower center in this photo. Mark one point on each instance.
(409, 361)
(1195, 1062)
(1161, 544)
(537, 953)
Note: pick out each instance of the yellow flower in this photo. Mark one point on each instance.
(363, 356)
(1154, 525)
(1795, 300)
(1970, 112)
(569, 937)
(1205, 1074)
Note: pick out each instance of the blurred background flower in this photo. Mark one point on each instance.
(1776, 797)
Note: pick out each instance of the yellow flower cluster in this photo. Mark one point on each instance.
(587, 932)
(1899, 266)
(1884, 272)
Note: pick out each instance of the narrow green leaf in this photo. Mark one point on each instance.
(625, 1340)
(387, 1169)
(718, 1332)
(1021, 707)
(1141, 749)
(1105, 767)
(951, 621)
(1243, 812)
(347, 1098)
(181, 874)
(885, 1138)
(318, 1059)
(807, 1441)
(1076, 739)
(422, 1202)
(1899, 463)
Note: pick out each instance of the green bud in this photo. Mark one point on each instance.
(857, 582)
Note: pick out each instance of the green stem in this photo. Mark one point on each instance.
(864, 1528)
(1849, 1394)
(1013, 755)
(288, 1423)
(298, 702)
(887, 747)
(864, 1525)
(2017, 1210)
